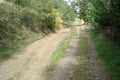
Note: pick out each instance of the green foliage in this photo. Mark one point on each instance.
(20, 19)
(109, 52)
(67, 13)
(23, 3)
(16, 22)
(57, 18)
(105, 13)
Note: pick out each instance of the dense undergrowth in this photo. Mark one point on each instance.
(22, 22)
(109, 52)
(18, 26)
(103, 14)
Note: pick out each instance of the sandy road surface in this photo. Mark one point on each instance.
(80, 61)
(63, 70)
(30, 63)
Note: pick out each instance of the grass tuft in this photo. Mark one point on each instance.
(109, 52)
(6, 51)
(59, 52)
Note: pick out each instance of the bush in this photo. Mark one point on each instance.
(17, 22)
(109, 53)
(21, 20)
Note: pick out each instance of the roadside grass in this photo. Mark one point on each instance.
(17, 46)
(80, 69)
(59, 52)
(109, 52)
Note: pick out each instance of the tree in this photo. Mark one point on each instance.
(105, 13)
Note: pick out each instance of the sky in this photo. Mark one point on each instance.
(68, 1)
(77, 9)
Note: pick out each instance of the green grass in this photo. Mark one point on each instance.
(109, 52)
(17, 46)
(79, 69)
(59, 53)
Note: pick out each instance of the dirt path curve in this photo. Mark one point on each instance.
(30, 63)
(79, 63)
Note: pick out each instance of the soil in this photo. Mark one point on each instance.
(81, 61)
(30, 63)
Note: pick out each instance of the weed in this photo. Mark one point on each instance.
(109, 52)
(7, 52)
(59, 52)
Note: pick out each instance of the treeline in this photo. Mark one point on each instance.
(103, 14)
(21, 20)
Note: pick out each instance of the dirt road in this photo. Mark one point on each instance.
(80, 61)
(30, 63)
